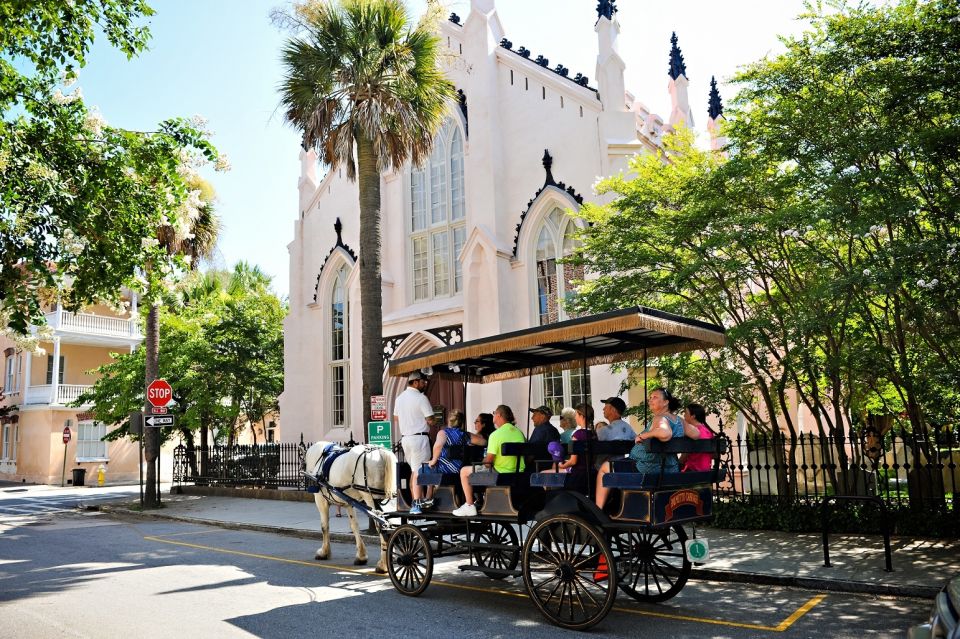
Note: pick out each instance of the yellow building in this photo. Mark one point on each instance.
(38, 387)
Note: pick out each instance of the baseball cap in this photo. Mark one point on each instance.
(617, 403)
(542, 409)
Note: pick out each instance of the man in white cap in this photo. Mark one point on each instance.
(411, 413)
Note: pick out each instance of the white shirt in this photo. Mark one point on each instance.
(411, 410)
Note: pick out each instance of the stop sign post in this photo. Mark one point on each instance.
(66, 435)
(159, 393)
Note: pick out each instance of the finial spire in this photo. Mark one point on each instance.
(677, 66)
(547, 165)
(338, 227)
(606, 9)
(716, 106)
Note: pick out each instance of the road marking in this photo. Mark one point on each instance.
(780, 627)
(799, 612)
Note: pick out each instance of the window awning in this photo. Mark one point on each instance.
(606, 338)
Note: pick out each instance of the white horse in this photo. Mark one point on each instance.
(361, 466)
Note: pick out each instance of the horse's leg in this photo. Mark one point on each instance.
(382, 562)
(324, 507)
(361, 559)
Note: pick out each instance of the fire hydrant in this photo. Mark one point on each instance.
(101, 475)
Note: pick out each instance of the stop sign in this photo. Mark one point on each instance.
(66, 435)
(159, 393)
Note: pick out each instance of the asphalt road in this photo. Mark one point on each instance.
(82, 574)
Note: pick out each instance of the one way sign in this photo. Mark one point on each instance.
(159, 421)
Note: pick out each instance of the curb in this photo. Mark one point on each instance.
(230, 525)
(815, 583)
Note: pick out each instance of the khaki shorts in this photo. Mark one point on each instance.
(416, 450)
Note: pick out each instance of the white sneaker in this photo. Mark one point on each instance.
(467, 510)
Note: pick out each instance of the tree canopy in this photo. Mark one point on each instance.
(824, 238)
(221, 348)
(82, 202)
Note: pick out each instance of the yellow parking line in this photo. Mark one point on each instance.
(781, 627)
(799, 612)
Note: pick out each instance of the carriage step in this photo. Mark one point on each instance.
(492, 571)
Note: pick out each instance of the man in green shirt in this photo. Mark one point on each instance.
(506, 433)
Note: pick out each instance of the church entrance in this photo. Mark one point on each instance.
(446, 397)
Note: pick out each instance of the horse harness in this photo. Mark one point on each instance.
(331, 453)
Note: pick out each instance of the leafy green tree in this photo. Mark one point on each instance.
(821, 242)
(221, 349)
(81, 199)
(363, 85)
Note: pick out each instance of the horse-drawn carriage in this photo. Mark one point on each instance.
(545, 527)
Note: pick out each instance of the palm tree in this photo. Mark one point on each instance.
(199, 243)
(364, 86)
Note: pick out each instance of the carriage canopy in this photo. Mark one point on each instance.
(615, 336)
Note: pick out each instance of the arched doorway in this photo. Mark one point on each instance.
(447, 396)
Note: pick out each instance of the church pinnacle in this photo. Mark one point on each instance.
(606, 9)
(677, 66)
(716, 106)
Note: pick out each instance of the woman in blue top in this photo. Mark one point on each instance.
(664, 425)
(452, 435)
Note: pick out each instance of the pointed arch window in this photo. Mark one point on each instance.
(339, 349)
(555, 284)
(438, 216)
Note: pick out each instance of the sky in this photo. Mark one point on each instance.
(220, 59)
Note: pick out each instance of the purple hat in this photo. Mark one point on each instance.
(556, 450)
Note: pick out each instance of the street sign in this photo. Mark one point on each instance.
(698, 550)
(67, 435)
(378, 408)
(158, 410)
(158, 421)
(378, 434)
(159, 393)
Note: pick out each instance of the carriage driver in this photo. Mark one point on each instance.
(414, 414)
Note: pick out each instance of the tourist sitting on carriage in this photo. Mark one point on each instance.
(484, 427)
(695, 427)
(443, 460)
(584, 432)
(664, 425)
(506, 433)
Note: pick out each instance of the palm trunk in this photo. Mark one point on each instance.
(371, 297)
(151, 436)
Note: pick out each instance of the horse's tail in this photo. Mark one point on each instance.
(389, 472)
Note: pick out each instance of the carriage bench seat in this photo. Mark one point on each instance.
(571, 481)
(466, 454)
(656, 481)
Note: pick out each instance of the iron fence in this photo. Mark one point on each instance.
(269, 465)
(901, 468)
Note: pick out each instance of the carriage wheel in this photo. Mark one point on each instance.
(566, 570)
(409, 560)
(651, 565)
(500, 558)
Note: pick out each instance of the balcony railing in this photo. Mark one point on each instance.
(66, 393)
(93, 324)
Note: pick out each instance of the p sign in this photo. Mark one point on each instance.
(159, 393)
(378, 434)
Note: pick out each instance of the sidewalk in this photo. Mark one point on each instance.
(920, 566)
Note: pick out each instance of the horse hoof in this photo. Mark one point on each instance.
(359, 562)
(380, 571)
(320, 557)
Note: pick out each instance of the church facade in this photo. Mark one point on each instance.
(471, 240)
